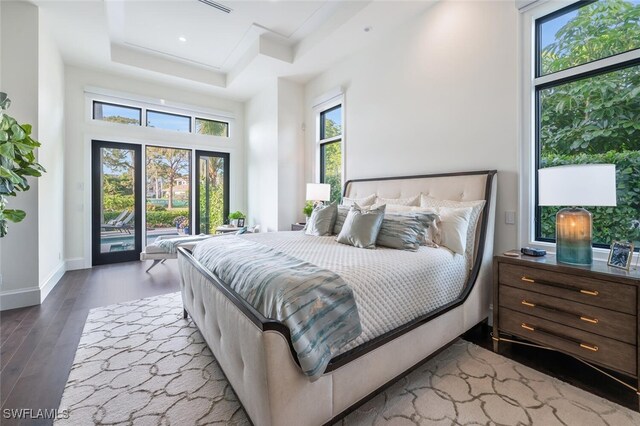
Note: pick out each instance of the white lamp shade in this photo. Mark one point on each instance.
(318, 192)
(577, 185)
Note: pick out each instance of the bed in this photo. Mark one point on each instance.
(257, 355)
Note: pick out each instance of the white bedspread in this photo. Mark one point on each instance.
(391, 287)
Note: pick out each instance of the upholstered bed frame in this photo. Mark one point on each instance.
(256, 354)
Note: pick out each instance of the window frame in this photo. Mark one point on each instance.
(532, 82)
(320, 109)
(197, 117)
(97, 101)
(156, 111)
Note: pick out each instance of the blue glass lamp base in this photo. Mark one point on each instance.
(573, 236)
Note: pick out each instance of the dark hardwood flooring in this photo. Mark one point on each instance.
(38, 343)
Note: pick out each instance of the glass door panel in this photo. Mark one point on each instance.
(168, 192)
(116, 207)
(212, 191)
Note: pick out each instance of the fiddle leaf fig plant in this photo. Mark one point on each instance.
(17, 162)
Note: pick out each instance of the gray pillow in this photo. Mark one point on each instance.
(322, 220)
(340, 218)
(404, 231)
(361, 227)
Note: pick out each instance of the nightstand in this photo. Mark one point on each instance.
(590, 313)
(297, 226)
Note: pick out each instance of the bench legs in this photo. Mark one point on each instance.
(185, 314)
(155, 262)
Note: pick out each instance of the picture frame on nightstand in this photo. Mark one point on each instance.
(621, 255)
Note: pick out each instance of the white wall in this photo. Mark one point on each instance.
(81, 129)
(290, 153)
(440, 95)
(19, 62)
(51, 155)
(261, 114)
(275, 155)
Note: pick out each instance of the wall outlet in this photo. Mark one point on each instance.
(510, 217)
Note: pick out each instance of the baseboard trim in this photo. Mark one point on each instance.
(75, 264)
(14, 299)
(52, 280)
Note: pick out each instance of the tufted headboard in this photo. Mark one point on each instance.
(460, 186)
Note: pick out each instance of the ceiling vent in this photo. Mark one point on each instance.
(218, 6)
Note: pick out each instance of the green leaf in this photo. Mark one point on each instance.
(14, 216)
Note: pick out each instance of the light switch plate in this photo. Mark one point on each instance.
(510, 217)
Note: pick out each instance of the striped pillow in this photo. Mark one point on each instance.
(404, 231)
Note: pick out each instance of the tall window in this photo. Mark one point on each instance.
(331, 150)
(587, 89)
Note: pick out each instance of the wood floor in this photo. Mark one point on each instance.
(38, 343)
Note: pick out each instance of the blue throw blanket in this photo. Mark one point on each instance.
(315, 304)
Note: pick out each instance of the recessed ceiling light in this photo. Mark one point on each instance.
(182, 39)
(367, 29)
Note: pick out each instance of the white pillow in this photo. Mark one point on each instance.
(409, 201)
(476, 206)
(362, 202)
(451, 229)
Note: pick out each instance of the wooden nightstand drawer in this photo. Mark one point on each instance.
(585, 290)
(591, 347)
(605, 322)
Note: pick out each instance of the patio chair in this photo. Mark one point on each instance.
(121, 226)
(118, 218)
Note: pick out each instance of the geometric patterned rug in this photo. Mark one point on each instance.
(141, 363)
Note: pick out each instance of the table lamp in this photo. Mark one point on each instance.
(318, 192)
(576, 185)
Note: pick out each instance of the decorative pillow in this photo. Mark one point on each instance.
(431, 234)
(340, 218)
(476, 207)
(452, 228)
(404, 231)
(322, 220)
(362, 202)
(409, 201)
(361, 227)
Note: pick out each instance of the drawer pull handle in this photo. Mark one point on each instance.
(528, 327)
(531, 305)
(591, 320)
(588, 292)
(593, 348)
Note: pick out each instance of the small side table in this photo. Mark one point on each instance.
(226, 229)
(297, 226)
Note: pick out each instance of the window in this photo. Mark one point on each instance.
(331, 150)
(587, 94)
(117, 113)
(167, 120)
(164, 120)
(212, 127)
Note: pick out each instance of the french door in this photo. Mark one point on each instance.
(118, 193)
(116, 206)
(212, 191)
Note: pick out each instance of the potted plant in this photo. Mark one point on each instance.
(307, 210)
(234, 216)
(178, 222)
(17, 162)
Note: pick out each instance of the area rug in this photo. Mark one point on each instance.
(141, 363)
